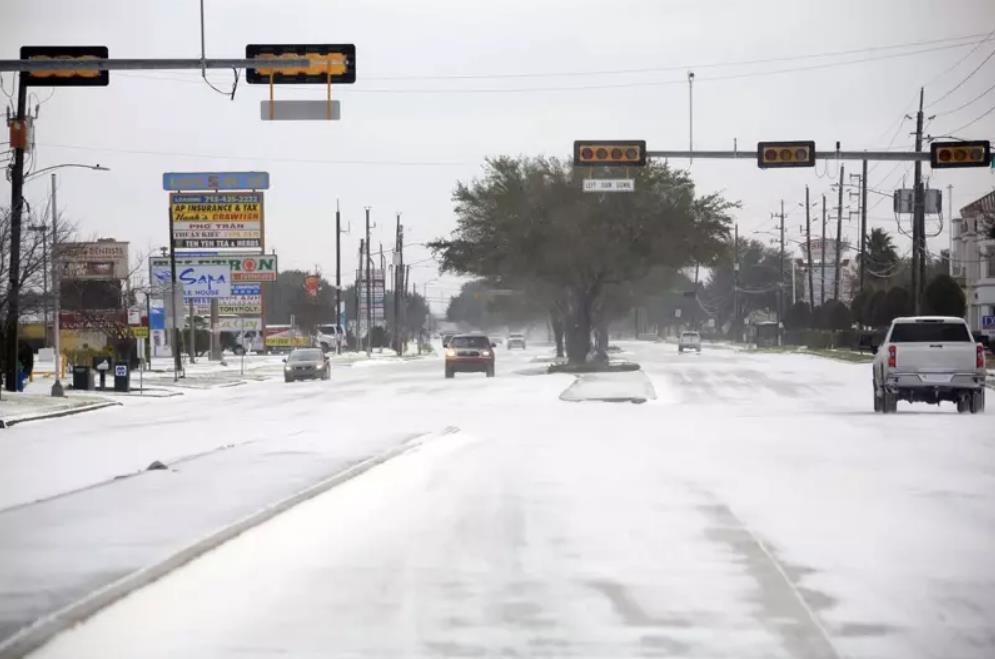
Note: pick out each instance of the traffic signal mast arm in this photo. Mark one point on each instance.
(909, 156)
(40, 65)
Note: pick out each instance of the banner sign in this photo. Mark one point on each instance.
(215, 181)
(95, 319)
(244, 268)
(249, 324)
(101, 260)
(220, 220)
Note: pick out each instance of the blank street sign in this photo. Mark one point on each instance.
(298, 110)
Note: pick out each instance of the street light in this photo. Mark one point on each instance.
(57, 389)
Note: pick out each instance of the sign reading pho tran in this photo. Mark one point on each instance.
(101, 260)
(217, 220)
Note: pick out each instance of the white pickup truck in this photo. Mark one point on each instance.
(929, 359)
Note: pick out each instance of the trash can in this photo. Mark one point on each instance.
(122, 377)
(101, 365)
(82, 377)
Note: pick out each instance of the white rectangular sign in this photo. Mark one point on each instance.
(299, 110)
(199, 281)
(609, 184)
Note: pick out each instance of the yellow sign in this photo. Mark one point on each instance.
(140, 332)
(288, 342)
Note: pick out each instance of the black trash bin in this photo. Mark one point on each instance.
(82, 377)
(122, 377)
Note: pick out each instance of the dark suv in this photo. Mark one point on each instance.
(469, 353)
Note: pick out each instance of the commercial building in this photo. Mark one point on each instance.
(972, 260)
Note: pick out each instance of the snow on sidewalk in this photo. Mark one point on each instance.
(20, 407)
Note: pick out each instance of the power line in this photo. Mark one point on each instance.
(958, 62)
(965, 79)
(596, 87)
(975, 120)
(973, 100)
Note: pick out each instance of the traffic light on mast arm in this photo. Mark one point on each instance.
(335, 61)
(65, 77)
(785, 154)
(609, 153)
(960, 154)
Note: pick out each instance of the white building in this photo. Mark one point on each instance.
(972, 258)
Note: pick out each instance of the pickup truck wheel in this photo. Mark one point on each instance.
(449, 373)
(878, 403)
(964, 403)
(889, 403)
(978, 401)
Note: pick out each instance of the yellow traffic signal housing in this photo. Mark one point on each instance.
(785, 154)
(960, 154)
(328, 63)
(65, 77)
(609, 153)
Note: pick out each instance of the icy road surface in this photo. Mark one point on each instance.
(755, 508)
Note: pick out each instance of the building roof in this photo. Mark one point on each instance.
(981, 206)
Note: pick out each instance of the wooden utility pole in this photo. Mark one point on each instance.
(822, 258)
(808, 250)
(839, 238)
(918, 222)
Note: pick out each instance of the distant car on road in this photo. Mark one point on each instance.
(470, 353)
(689, 341)
(929, 359)
(515, 341)
(306, 364)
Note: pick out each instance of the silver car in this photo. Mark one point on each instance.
(306, 364)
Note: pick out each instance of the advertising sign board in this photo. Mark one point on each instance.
(217, 220)
(101, 260)
(244, 267)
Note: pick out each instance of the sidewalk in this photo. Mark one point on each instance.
(20, 407)
(58, 551)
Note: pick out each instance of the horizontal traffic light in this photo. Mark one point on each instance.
(960, 154)
(785, 154)
(336, 62)
(609, 153)
(65, 77)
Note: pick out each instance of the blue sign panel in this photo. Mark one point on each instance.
(215, 181)
(157, 317)
(988, 322)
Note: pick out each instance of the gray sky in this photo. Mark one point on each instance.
(434, 97)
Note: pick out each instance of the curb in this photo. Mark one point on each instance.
(37, 633)
(6, 423)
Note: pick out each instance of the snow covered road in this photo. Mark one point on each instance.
(755, 508)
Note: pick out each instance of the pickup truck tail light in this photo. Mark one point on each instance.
(892, 356)
(979, 362)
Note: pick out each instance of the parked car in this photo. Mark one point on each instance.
(306, 364)
(929, 359)
(470, 353)
(515, 341)
(689, 341)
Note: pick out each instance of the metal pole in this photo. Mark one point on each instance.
(735, 279)
(808, 250)
(242, 343)
(369, 289)
(16, 205)
(397, 292)
(150, 64)
(863, 222)
(193, 335)
(918, 221)
(822, 258)
(893, 156)
(44, 279)
(780, 281)
(338, 276)
(691, 116)
(173, 302)
(57, 390)
(839, 235)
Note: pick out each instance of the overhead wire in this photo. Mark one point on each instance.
(974, 121)
(971, 102)
(964, 79)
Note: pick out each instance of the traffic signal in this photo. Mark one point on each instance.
(609, 153)
(960, 154)
(65, 77)
(785, 154)
(335, 61)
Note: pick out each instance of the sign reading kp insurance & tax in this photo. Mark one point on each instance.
(217, 220)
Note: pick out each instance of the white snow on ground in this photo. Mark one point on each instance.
(624, 386)
(757, 508)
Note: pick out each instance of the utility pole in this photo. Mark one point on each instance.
(193, 334)
(863, 221)
(398, 269)
(369, 289)
(357, 290)
(822, 258)
(691, 116)
(918, 221)
(735, 281)
(57, 390)
(175, 301)
(839, 236)
(338, 278)
(808, 250)
(780, 281)
(16, 205)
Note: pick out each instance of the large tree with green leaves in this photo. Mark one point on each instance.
(528, 218)
(758, 280)
(945, 297)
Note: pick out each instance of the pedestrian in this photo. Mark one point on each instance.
(25, 364)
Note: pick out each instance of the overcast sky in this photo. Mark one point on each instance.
(444, 83)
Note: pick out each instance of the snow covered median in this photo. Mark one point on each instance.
(624, 387)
